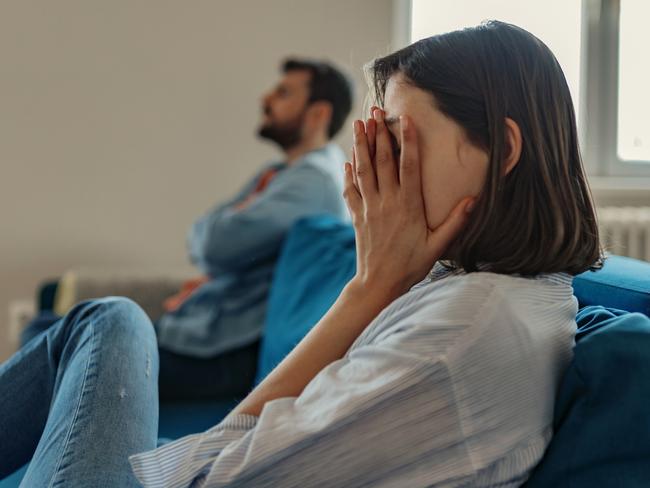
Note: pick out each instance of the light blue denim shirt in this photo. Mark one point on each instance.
(238, 248)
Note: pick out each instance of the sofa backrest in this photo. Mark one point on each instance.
(316, 261)
(623, 283)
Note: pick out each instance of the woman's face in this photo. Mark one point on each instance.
(452, 167)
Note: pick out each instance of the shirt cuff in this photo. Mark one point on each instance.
(174, 464)
(242, 421)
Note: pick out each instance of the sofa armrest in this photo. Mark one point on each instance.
(146, 287)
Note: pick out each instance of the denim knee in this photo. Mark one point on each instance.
(119, 317)
(124, 316)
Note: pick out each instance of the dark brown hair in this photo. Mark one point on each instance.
(540, 217)
(328, 84)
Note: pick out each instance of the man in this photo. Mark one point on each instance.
(209, 338)
(79, 374)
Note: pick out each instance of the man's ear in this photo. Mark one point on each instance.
(321, 113)
(512, 146)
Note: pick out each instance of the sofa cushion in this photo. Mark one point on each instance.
(317, 260)
(184, 418)
(623, 283)
(602, 422)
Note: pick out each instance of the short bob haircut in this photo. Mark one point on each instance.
(540, 217)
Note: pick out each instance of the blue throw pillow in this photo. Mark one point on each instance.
(602, 420)
(317, 260)
(623, 283)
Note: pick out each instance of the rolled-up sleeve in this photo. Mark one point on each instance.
(189, 459)
(361, 419)
(232, 239)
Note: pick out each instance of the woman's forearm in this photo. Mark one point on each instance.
(327, 342)
(388, 214)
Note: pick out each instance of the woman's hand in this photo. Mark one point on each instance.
(395, 246)
(395, 249)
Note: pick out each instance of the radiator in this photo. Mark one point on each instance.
(625, 231)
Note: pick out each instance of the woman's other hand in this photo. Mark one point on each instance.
(395, 247)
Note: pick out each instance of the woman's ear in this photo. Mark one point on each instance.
(513, 145)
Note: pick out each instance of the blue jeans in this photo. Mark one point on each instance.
(228, 375)
(81, 397)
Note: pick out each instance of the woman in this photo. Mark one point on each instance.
(419, 376)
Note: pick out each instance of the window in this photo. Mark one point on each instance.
(556, 22)
(634, 82)
(600, 45)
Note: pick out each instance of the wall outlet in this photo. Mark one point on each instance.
(20, 313)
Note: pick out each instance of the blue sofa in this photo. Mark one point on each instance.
(602, 419)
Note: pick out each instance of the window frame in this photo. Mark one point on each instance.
(599, 82)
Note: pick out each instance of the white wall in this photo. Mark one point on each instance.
(122, 120)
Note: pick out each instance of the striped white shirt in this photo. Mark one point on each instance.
(453, 384)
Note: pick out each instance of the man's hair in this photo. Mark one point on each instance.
(326, 84)
(539, 218)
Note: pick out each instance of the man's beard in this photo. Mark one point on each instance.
(285, 135)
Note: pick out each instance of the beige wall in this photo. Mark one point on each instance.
(122, 120)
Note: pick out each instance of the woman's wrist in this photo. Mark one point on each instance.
(356, 307)
(374, 289)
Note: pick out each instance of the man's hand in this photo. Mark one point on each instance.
(174, 302)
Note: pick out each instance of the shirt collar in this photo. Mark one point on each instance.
(443, 270)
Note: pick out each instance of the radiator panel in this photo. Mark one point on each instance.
(625, 231)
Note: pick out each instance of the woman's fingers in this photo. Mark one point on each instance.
(384, 157)
(354, 169)
(443, 235)
(409, 166)
(351, 192)
(365, 173)
(371, 134)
